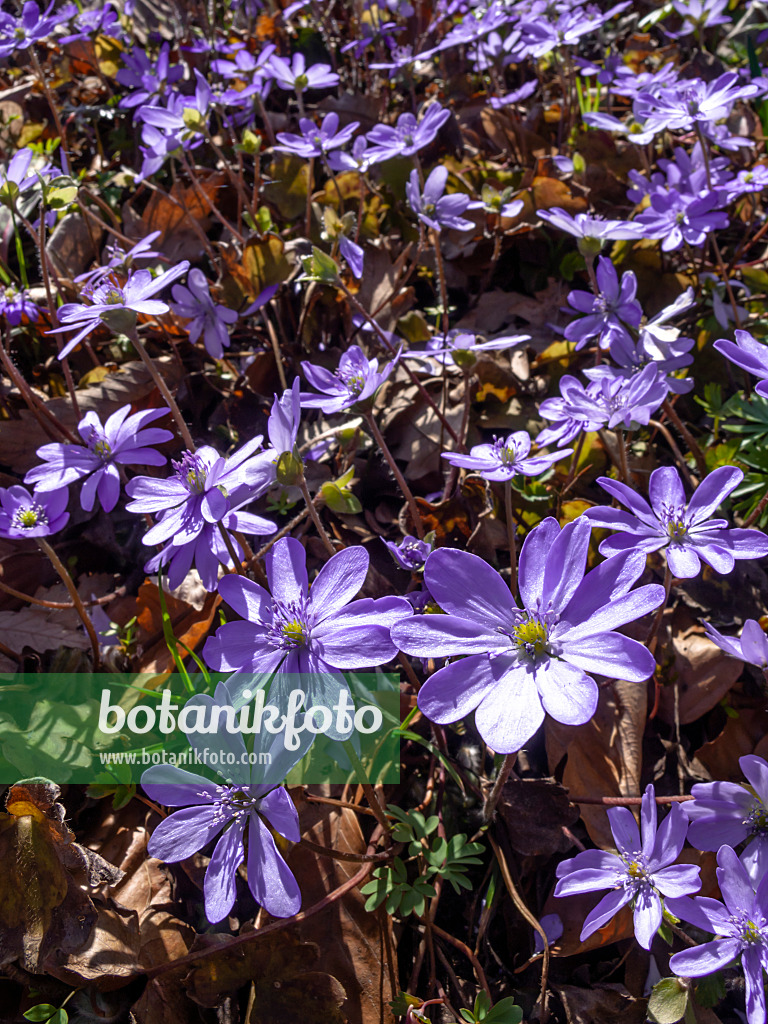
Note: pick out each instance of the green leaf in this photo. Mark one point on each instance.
(668, 1002)
(505, 1012)
(341, 502)
(710, 989)
(43, 1011)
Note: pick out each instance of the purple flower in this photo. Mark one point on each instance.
(505, 458)
(32, 515)
(436, 210)
(684, 529)
(15, 303)
(677, 218)
(741, 927)
(283, 423)
(523, 662)
(314, 140)
(182, 115)
(725, 812)
(305, 632)
(642, 874)
(592, 232)
(89, 24)
(752, 647)
(608, 313)
(15, 178)
(699, 14)
(458, 347)
(408, 136)
(208, 551)
(411, 553)
(353, 254)
(553, 929)
(115, 306)
(234, 806)
(296, 76)
(122, 440)
(355, 382)
(750, 354)
(31, 27)
(615, 400)
(148, 79)
(568, 413)
(204, 488)
(119, 259)
(693, 102)
(206, 317)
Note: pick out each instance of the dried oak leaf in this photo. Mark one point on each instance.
(703, 672)
(44, 913)
(534, 812)
(288, 985)
(171, 213)
(604, 754)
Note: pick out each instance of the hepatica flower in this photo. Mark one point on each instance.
(250, 802)
(206, 317)
(607, 315)
(32, 26)
(411, 553)
(729, 813)
(505, 458)
(751, 647)
(748, 353)
(314, 140)
(642, 874)
(683, 529)
(298, 630)
(592, 232)
(741, 927)
(523, 662)
(204, 488)
(434, 208)
(122, 440)
(15, 304)
(32, 515)
(295, 75)
(407, 137)
(355, 382)
(116, 306)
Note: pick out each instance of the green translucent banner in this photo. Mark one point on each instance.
(109, 728)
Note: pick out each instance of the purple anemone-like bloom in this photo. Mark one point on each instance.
(434, 208)
(458, 348)
(295, 74)
(741, 927)
(204, 488)
(317, 140)
(206, 317)
(523, 662)
(249, 801)
(115, 305)
(122, 440)
(32, 515)
(729, 813)
(607, 314)
(408, 136)
(643, 873)
(411, 553)
(32, 26)
(305, 632)
(590, 230)
(505, 458)
(677, 218)
(15, 303)
(684, 529)
(750, 354)
(751, 647)
(356, 381)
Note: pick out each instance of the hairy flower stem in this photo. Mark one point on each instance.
(695, 450)
(406, 491)
(757, 511)
(370, 793)
(162, 387)
(69, 583)
(316, 517)
(657, 425)
(511, 536)
(653, 633)
(623, 445)
(441, 281)
(493, 797)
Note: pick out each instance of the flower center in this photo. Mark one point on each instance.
(100, 446)
(531, 638)
(757, 820)
(192, 472)
(290, 625)
(28, 518)
(352, 379)
(232, 803)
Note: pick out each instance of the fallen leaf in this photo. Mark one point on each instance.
(534, 812)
